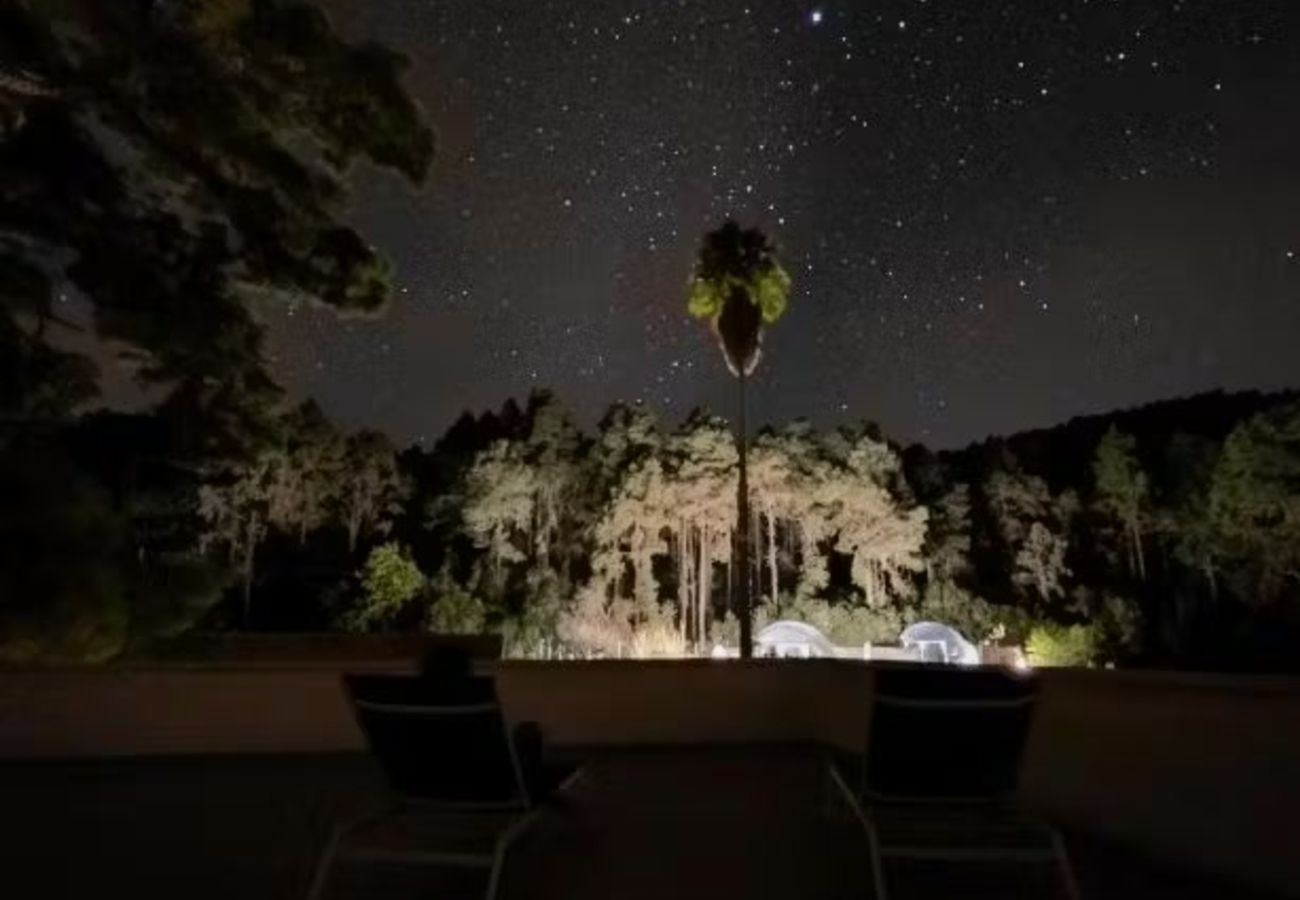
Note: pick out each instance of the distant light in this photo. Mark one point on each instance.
(902, 24)
(815, 17)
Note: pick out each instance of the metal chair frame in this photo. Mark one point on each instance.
(880, 851)
(519, 814)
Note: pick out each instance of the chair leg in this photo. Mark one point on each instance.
(572, 779)
(1063, 863)
(499, 852)
(877, 861)
(864, 819)
(325, 863)
(340, 831)
(834, 806)
(494, 876)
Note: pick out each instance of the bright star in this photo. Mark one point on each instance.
(815, 17)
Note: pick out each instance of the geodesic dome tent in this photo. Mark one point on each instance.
(939, 643)
(790, 638)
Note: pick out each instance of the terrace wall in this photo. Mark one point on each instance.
(1199, 769)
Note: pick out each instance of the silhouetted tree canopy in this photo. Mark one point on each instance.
(170, 162)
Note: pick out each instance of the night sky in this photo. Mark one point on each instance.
(996, 215)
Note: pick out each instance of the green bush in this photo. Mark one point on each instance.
(454, 610)
(1050, 644)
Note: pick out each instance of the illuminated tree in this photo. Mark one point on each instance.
(1030, 525)
(1184, 520)
(1040, 562)
(775, 479)
(554, 450)
(314, 471)
(390, 579)
(498, 496)
(237, 503)
(1254, 500)
(372, 489)
(1121, 491)
(948, 543)
(739, 287)
(875, 522)
(698, 508)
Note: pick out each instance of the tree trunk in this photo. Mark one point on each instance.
(731, 566)
(495, 553)
(703, 584)
(250, 555)
(354, 523)
(1138, 555)
(771, 554)
(741, 552)
(683, 578)
(693, 586)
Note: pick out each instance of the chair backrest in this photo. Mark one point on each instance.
(941, 732)
(439, 742)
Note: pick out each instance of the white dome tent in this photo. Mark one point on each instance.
(934, 642)
(788, 638)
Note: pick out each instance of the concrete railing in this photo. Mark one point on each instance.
(1202, 769)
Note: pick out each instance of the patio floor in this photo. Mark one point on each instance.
(723, 823)
(710, 822)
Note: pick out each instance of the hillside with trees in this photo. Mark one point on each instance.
(1165, 535)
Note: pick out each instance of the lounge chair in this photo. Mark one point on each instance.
(462, 793)
(933, 788)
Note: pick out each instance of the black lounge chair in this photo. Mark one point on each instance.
(462, 791)
(933, 788)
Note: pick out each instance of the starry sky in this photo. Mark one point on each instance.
(997, 215)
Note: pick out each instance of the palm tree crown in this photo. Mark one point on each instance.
(739, 286)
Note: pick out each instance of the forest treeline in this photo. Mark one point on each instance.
(1164, 535)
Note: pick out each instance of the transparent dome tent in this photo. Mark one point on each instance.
(939, 643)
(789, 638)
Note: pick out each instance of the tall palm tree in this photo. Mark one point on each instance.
(739, 287)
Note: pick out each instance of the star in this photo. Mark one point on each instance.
(815, 17)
